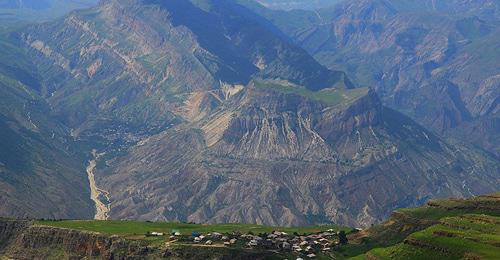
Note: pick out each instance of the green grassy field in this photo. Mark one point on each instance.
(330, 96)
(137, 228)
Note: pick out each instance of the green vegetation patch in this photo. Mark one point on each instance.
(329, 96)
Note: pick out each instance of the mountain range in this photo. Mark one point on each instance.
(433, 61)
(219, 111)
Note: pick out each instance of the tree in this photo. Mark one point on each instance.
(342, 238)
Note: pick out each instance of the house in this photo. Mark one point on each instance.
(227, 243)
(267, 243)
(158, 234)
(233, 241)
(272, 236)
(285, 246)
(209, 242)
(311, 255)
(215, 235)
(195, 234)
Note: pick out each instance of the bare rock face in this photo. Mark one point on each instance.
(24, 240)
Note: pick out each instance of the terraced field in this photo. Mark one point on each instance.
(443, 229)
(463, 237)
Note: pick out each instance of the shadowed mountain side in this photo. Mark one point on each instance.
(40, 176)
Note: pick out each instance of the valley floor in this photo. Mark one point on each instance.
(96, 194)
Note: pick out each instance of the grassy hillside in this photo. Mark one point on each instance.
(468, 236)
(443, 229)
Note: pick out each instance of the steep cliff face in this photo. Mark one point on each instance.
(278, 154)
(24, 240)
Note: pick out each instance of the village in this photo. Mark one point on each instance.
(304, 246)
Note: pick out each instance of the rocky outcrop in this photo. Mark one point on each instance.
(24, 240)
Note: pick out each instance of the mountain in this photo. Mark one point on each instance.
(204, 111)
(279, 154)
(154, 60)
(432, 60)
(154, 73)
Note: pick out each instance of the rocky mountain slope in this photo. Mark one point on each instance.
(432, 60)
(157, 65)
(156, 74)
(38, 163)
(204, 111)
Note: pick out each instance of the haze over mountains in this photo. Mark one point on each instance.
(16, 11)
(297, 4)
(224, 111)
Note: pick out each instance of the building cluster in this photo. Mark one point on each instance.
(306, 245)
